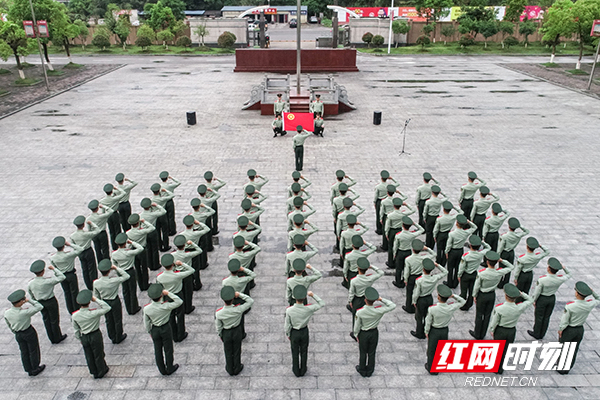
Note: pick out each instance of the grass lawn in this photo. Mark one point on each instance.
(27, 82)
(4, 71)
(134, 50)
(577, 72)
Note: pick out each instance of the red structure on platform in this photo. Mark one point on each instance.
(284, 61)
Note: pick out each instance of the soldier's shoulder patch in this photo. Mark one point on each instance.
(522, 255)
(482, 269)
(219, 309)
(498, 305)
(571, 302)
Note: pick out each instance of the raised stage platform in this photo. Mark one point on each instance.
(284, 60)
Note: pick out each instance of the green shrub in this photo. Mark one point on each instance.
(378, 40)
(423, 40)
(184, 41)
(466, 40)
(367, 38)
(226, 40)
(511, 41)
(101, 38)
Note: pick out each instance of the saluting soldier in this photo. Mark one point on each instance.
(297, 191)
(526, 264)
(381, 192)
(319, 125)
(106, 288)
(354, 228)
(358, 285)
(124, 257)
(437, 320)
(65, 262)
(42, 290)
(298, 143)
(152, 212)
(296, 327)
(209, 198)
(508, 242)
(505, 317)
(86, 323)
(342, 224)
(337, 207)
(366, 321)
(480, 207)
(350, 269)
(203, 213)
(423, 194)
(194, 231)
(100, 219)
(576, 312)
(252, 212)
(441, 229)
(258, 181)
(300, 278)
(299, 242)
(255, 197)
(484, 292)
(469, 265)
(157, 315)
(249, 235)
(172, 281)
(186, 252)
(139, 233)
(296, 177)
(239, 277)
(299, 204)
(112, 199)
(227, 323)
(161, 197)
(169, 184)
(18, 320)
(454, 247)
(300, 228)
(125, 205)
(280, 106)
(387, 207)
(544, 297)
(402, 247)
(467, 191)
(493, 224)
(421, 297)
(335, 188)
(84, 239)
(413, 268)
(277, 126)
(316, 106)
(240, 253)
(213, 183)
(393, 224)
(431, 212)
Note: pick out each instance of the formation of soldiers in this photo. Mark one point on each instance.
(137, 239)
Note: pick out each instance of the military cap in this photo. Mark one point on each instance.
(146, 202)
(250, 189)
(92, 205)
(247, 204)
(296, 175)
(121, 238)
(278, 94)
(484, 190)
(58, 242)
(79, 220)
(108, 188)
(444, 291)
(427, 176)
(347, 202)
(227, 293)
(554, 263)
(583, 289)
(208, 175)
(155, 188)
(195, 202)
(339, 173)
(179, 240)
(513, 223)
(417, 245)
(202, 189)
(390, 188)
(436, 189)
(242, 221)
(299, 239)
(163, 175)
(447, 206)
(343, 187)
(251, 173)
(461, 219)
(104, 265)
(84, 297)
(299, 292)
(428, 264)
(37, 266)
(371, 294)
(189, 220)
(296, 188)
(397, 201)
(351, 219)
(298, 219)
(119, 177)
(363, 263)
(239, 241)
(511, 290)
(298, 201)
(496, 208)
(472, 175)
(155, 291)
(357, 241)
(532, 243)
(133, 219)
(233, 265)
(407, 221)
(299, 128)
(492, 255)
(474, 240)
(385, 174)
(299, 264)
(167, 260)
(16, 296)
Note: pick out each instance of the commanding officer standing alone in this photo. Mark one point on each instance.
(107, 289)
(298, 144)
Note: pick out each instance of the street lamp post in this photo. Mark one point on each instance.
(37, 36)
(390, 33)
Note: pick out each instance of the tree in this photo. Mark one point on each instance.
(122, 29)
(145, 36)
(447, 32)
(226, 40)
(488, 29)
(505, 28)
(165, 36)
(5, 51)
(471, 19)
(101, 38)
(558, 22)
(423, 40)
(514, 10)
(378, 40)
(184, 41)
(63, 33)
(399, 28)
(428, 28)
(527, 28)
(177, 7)
(178, 27)
(202, 32)
(14, 36)
(433, 10)
(511, 41)
(83, 32)
(159, 16)
(584, 13)
(367, 38)
(81, 9)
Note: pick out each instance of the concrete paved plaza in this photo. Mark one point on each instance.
(534, 143)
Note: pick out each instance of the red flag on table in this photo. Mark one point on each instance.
(292, 120)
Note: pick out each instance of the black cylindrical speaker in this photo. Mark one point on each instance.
(377, 118)
(191, 117)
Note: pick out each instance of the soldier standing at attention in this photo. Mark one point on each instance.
(381, 192)
(169, 184)
(316, 106)
(298, 143)
(576, 312)
(480, 207)
(437, 320)
(300, 278)
(431, 212)
(423, 194)
(366, 321)
(107, 289)
(358, 285)
(413, 268)
(467, 270)
(172, 281)
(84, 239)
(125, 205)
(156, 321)
(42, 290)
(319, 125)
(215, 184)
(544, 297)
(454, 247)
(194, 231)
(65, 263)
(18, 320)
(442, 227)
(139, 232)
(100, 219)
(277, 126)
(467, 191)
(112, 199)
(505, 317)
(280, 106)
(402, 248)
(86, 323)
(228, 324)
(484, 292)
(299, 228)
(527, 262)
(421, 297)
(351, 259)
(393, 224)
(296, 327)
(124, 257)
(186, 256)
(508, 243)
(209, 198)
(161, 197)
(335, 188)
(493, 224)
(151, 213)
(299, 242)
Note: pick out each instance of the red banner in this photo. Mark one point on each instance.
(370, 12)
(292, 120)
